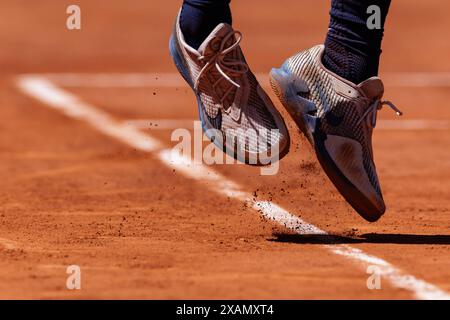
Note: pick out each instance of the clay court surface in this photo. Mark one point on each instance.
(83, 183)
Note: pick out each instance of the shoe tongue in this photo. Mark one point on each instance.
(373, 88)
(212, 42)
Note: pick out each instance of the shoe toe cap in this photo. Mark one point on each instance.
(347, 155)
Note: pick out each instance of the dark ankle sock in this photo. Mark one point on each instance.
(352, 50)
(199, 17)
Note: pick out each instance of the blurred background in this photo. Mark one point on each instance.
(132, 35)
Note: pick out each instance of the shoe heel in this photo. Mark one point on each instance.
(288, 89)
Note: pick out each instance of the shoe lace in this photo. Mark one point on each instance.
(371, 113)
(227, 66)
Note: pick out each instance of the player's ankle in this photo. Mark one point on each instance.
(352, 66)
(199, 18)
(352, 49)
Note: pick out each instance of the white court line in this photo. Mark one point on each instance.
(59, 100)
(65, 102)
(400, 124)
(417, 124)
(173, 80)
(8, 244)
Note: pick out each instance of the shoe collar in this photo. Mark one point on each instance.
(220, 31)
(371, 88)
(181, 39)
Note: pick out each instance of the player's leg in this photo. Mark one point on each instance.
(352, 50)
(333, 94)
(234, 110)
(199, 17)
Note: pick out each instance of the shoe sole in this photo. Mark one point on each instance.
(230, 150)
(287, 88)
